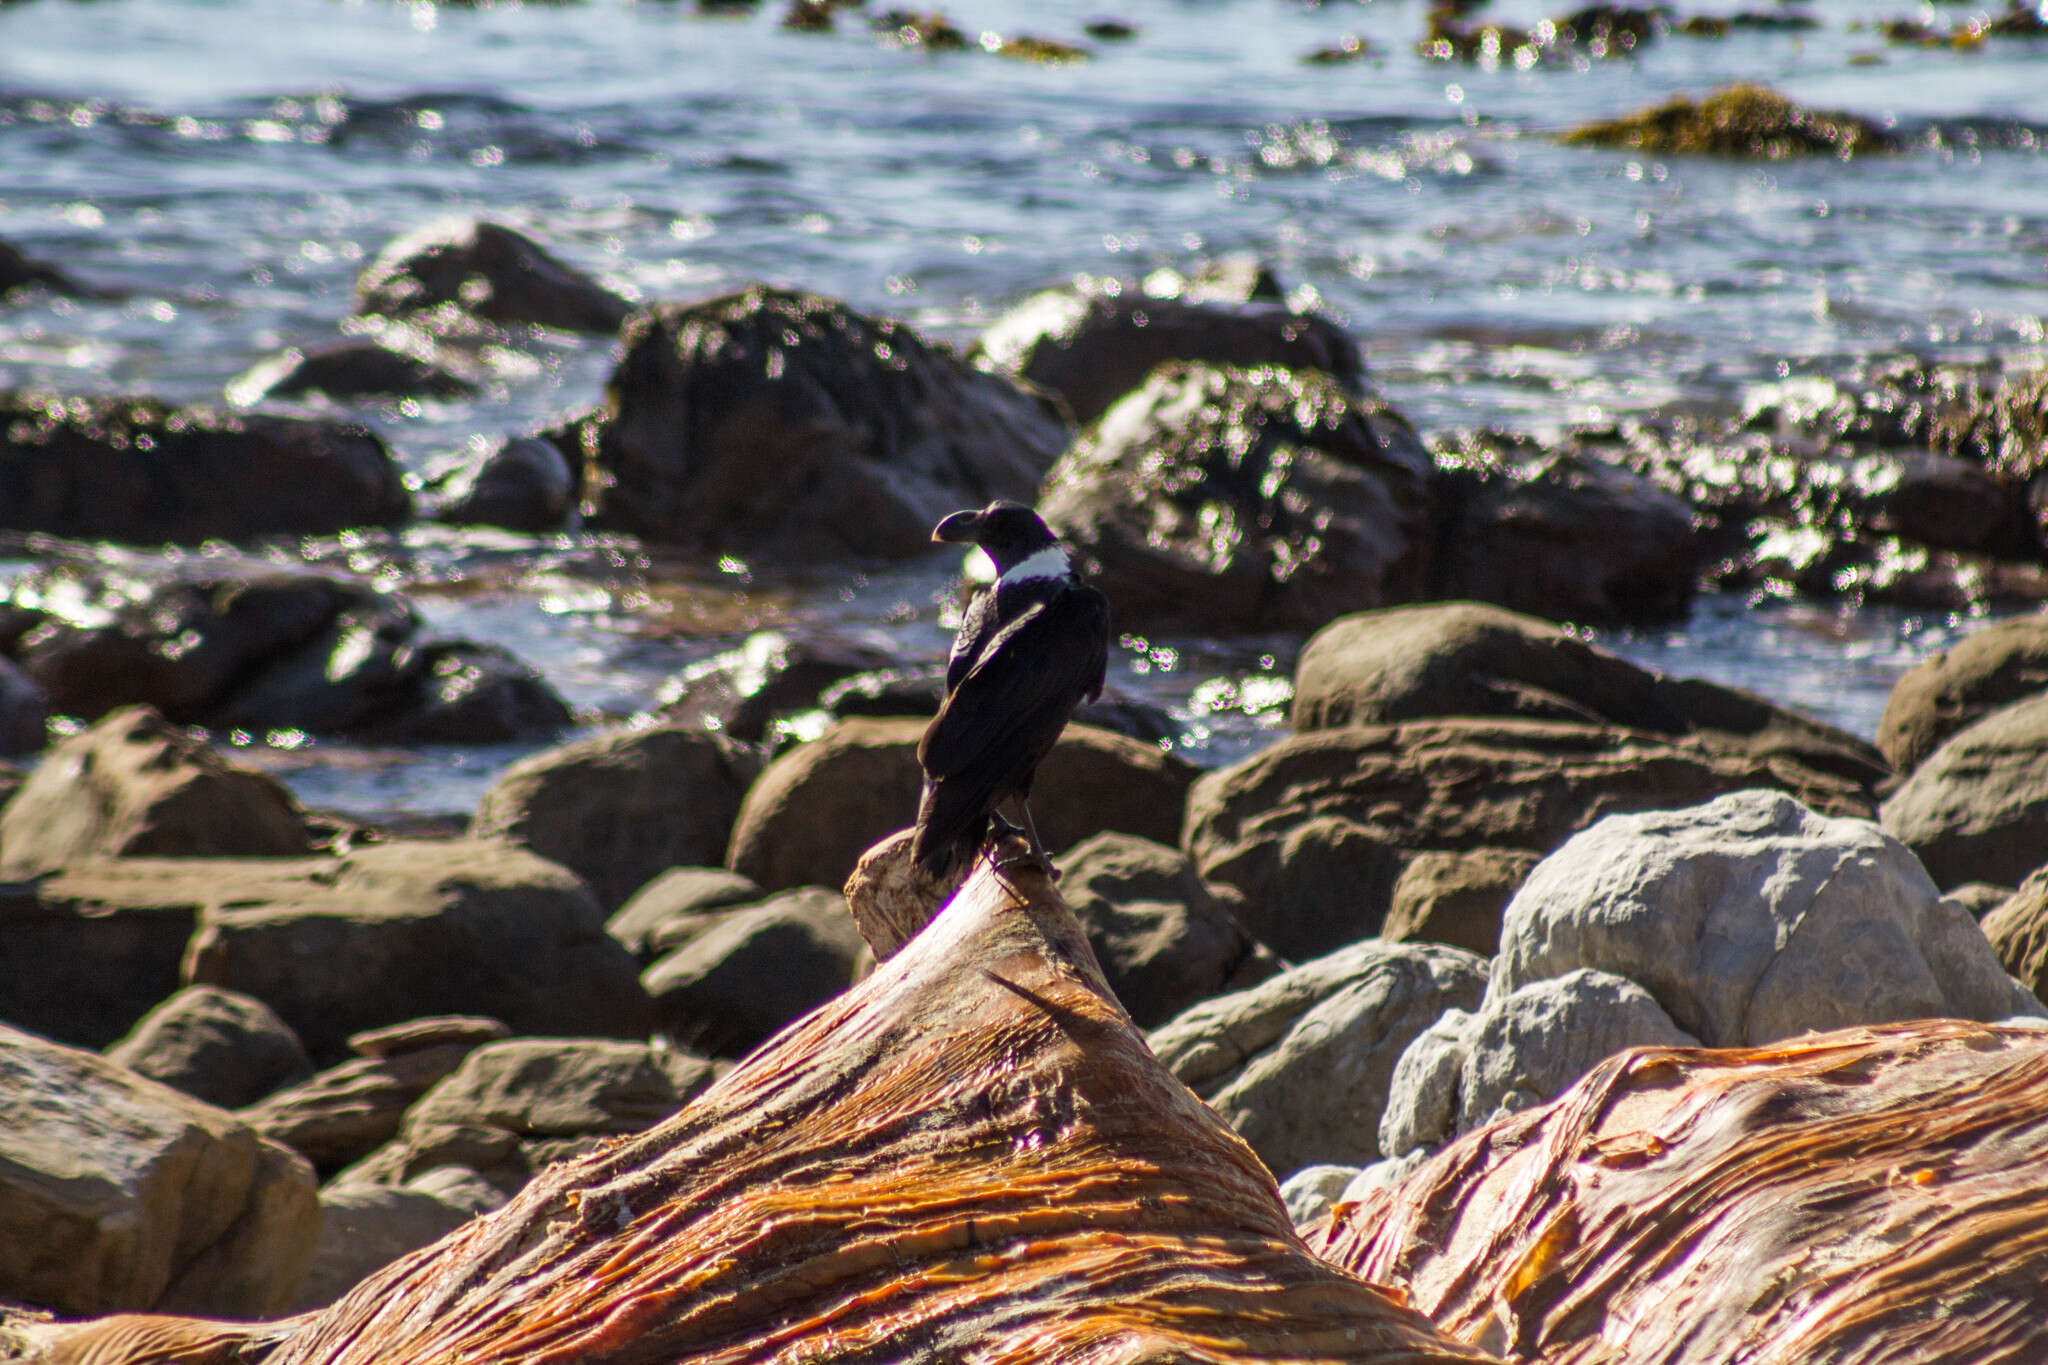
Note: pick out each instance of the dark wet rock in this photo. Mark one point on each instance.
(364, 1227)
(219, 1046)
(141, 471)
(1093, 348)
(1466, 659)
(2018, 930)
(1987, 669)
(350, 370)
(1594, 31)
(1261, 499)
(466, 692)
(134, 785)
(808, 16)
(1904, 482)
(120, 1193)
(400, 930)
(514, 1107)
(218, 650)
(678, 905)
(1976, 809)
(1561, 535)
(349, 1110)
(619, 809)
(1163, 938)
(922, 32)
(730, 987)
(919, 692)
(81, 960)
(1023, 47)
(1349, 48)
(524, 484)
(21, 272)
(1316, 831)
(449, 273)
(24, 711)
(823, 804)
(261, 651)
(1456, 898)
(873, 435)
(773, 673)
(1740, 121)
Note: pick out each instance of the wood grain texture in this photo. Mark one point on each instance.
(970, 1157)
(1872, 1195)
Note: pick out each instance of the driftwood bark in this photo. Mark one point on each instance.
(970, 1157)
(1873, 1195)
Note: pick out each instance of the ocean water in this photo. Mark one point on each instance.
(231, 165)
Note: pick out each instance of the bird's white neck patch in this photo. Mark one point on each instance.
(1051, 562)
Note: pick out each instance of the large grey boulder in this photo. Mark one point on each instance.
(1161, 936)
(1300, 1064)
(515, 1106)
(1976, 809)
(621, 808)
(117, 1193)
(872, 433)
(1518, 1051)
(219, 1046)
(135, 785)
(728, 988)
(1752, 918)
(397, 931)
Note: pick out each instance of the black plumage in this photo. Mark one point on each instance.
(1030, 649)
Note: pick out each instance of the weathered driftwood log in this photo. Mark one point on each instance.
(970, 1157)
(1875, 1195)
(141, 1339)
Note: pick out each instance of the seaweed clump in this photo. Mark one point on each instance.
(1743, 121)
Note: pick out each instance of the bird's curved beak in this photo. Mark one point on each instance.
(958, 529)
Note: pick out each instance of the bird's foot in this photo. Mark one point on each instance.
(1018, 862)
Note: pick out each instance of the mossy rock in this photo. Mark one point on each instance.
(1742, 120)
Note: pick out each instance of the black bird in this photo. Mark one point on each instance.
(1029, 649)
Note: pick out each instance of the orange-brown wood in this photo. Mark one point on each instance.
(1874, 1195)
(971, 1156)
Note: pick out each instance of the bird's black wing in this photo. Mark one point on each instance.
(1024, 680)
(977, 624)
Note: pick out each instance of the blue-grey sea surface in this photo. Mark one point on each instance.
(231, 165)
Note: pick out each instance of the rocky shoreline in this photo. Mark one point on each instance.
(324, 1049)
(1505, 943)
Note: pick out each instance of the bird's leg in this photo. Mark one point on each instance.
(1038, 856)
